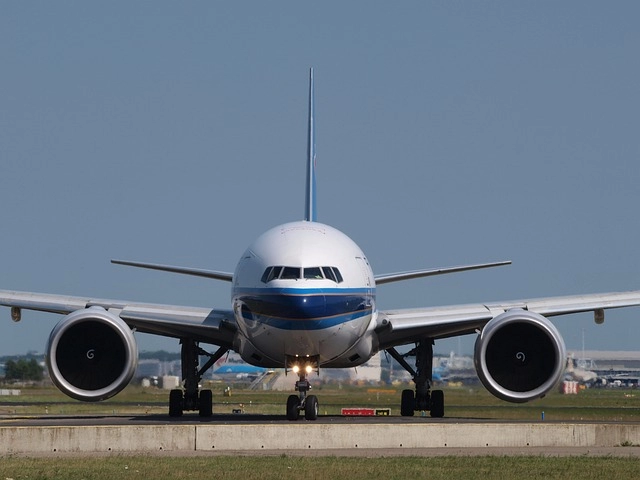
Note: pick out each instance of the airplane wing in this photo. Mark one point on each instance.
(398, 327)
(197, 272)
(202, 324)
(396, 277)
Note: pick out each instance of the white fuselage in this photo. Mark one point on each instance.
(304, 289)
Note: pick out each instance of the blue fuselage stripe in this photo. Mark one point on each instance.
(304, 291)
(307, 324)
(304, 309)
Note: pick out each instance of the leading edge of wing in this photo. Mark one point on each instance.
(203, 324)
(395, 277)
(198, 272)
(405, 325)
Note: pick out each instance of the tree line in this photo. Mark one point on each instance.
(23, 370)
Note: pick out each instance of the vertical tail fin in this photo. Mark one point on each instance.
(310, 213)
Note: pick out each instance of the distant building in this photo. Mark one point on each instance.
(368, 372)
(148, 368)
(600, 360)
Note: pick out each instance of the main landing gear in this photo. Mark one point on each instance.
(302, 402)
(191, 397)
(424, 398)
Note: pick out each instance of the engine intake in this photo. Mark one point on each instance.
(519, 356)
(91, 354)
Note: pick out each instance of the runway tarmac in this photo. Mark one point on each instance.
(227, 419)
(329, 435)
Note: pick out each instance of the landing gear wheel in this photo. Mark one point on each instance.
(311, 408)
(293, 404)
(407, 403)
(206, 403)
(437, 403)
(175, 403)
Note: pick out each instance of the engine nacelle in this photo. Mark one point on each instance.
(91, 354)
(519, 356)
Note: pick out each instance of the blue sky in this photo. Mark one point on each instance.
(447, 133)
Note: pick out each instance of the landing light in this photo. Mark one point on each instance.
(296, 369)
(308, 369)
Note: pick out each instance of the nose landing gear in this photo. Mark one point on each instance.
(302, 402)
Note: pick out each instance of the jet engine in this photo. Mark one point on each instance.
(91, 354)
(519, 356)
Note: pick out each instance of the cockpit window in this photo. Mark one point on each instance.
(313, 273)
(328, 274)
(339, 278)
(270, 273)
(295, 273)
(266, 274)
(290, 273)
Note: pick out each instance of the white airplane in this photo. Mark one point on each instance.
(303, 297)
(582, 375)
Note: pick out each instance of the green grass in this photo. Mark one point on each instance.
(463, 402)
(285, 467)
(601, 405)
(592, 405)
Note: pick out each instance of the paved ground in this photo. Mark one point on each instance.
(229, 419)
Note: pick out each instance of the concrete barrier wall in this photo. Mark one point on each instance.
(317, 436)
(96, 439)
(305, 435)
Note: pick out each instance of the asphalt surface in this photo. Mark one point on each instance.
(228, 419)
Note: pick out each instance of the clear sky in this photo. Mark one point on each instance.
(447, 133)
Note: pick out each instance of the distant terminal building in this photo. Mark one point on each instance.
(613, 368)
(607, 361)
(368, 372)
(148, 368)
